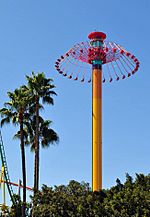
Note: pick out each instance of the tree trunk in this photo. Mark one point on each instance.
(35, 190)
(35, 170)
(36, 184)
(23, 162)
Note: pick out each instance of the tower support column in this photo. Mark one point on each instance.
(97, 128)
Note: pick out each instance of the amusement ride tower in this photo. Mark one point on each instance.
(119, 64)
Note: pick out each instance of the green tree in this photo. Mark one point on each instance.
(14, 111)
(131, 199)
(4, 211)
(16, 209)
(74, 200)
(41, 89)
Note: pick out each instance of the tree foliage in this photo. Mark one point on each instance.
(23, 110)
(14, 111)
(41, 89)
(131, 199)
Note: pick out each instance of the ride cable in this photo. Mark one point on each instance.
(6, 174)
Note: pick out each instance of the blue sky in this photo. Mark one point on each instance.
(33, 34)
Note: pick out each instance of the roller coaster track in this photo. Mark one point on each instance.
(6, 174)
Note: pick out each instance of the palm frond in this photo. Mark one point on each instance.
(5, 121)
(48, 100)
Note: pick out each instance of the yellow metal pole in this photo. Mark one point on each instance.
(3, 188)
(97, 128)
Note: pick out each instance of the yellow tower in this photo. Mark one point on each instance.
(120, 64)
(96, 55)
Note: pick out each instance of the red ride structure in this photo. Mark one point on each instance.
(75, 63)
(84, 62)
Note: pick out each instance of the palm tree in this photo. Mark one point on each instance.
(41, 90)
(14, 111)
(47, 136)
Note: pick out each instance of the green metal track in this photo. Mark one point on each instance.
(4, 163)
